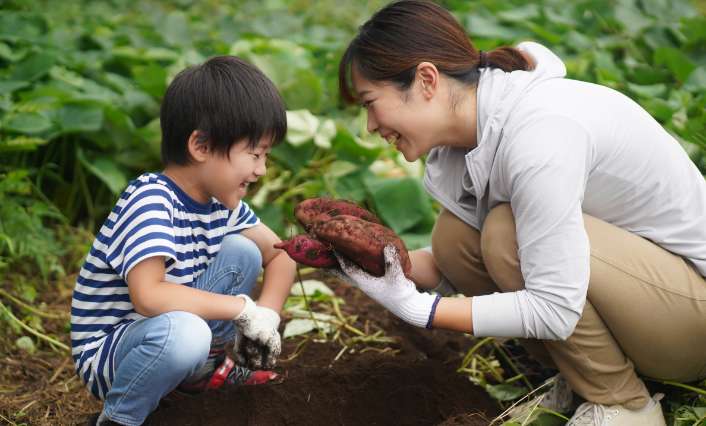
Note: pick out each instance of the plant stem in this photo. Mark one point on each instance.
(29, 308)
(30, 330)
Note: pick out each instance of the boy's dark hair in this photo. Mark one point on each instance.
(227, 100)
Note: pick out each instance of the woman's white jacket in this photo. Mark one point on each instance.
(555, 148)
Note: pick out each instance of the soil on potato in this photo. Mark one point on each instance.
(414, 382)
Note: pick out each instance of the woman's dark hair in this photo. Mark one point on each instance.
(227, 100)
(405, 33)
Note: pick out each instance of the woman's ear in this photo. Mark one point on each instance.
(198, 146)
(427, 77)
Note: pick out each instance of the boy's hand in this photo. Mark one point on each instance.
(248, 353)
(259, 324)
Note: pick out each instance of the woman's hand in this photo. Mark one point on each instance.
(393, 290)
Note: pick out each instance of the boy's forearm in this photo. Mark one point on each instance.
(278, 278)
(167, 297)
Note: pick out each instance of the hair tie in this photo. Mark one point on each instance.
(483, 61)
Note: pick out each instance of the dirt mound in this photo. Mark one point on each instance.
(416, 386)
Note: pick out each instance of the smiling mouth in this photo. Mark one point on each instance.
(393, 138)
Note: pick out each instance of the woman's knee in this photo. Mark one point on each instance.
(452, 238)
(498, 245)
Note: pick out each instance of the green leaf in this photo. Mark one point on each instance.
(659, 108)
(26, 344)
(272, 216)
(352, 186)
(633, 20)
(299, 326)
(339, 169)
(648, 91)
(347, 149)
(310, 288)
(520, 13)
(301, 126)
(505, 391)
(21, 25)
(33, 67)
(293, 157)
(675, 60)
(485, 25)
(21, 143)
(151, 78)
(105, 169)
(401, 203)
(9, 86)
(415, 241)
(696, 81)
(27, 122)
(176, 29)
(79, 117)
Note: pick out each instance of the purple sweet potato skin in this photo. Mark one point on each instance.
(362, 242)
(321, 209)
(309, 251)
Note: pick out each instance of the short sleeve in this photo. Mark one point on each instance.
(241, 218)
(142, 228)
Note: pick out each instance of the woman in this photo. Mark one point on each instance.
(571, 217)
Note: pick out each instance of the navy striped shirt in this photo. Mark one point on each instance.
(153, 217)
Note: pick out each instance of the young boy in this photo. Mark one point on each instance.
(165, 285)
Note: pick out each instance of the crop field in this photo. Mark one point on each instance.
(81, 83)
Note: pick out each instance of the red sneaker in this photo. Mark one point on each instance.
(227, 373)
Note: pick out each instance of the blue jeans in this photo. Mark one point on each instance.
(156, 354)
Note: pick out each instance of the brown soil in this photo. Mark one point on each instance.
(414, 382)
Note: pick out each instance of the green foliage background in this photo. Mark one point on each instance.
(81, 83)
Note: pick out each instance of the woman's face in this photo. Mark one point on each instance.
(408, 120)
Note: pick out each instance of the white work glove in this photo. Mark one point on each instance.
(393, 290)
(259, 325)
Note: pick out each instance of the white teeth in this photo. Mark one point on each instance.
(392, 139)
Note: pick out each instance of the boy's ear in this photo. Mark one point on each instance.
(198, 146)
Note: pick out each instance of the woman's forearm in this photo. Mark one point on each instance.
(453, 313)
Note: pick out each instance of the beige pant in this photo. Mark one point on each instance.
(646, 307)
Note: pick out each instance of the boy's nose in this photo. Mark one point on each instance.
(261, 169)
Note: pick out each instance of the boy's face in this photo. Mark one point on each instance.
(227, 177)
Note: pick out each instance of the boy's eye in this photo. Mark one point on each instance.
(366, 104)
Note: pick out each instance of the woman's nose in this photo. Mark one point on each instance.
(372, 123)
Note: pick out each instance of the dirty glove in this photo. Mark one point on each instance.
(259, 324)
(393, 290)
(248, 353)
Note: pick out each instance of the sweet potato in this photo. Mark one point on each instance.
(361, 241)
(309, 251)
(316, 209)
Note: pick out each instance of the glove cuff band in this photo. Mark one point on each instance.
(433, 311)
